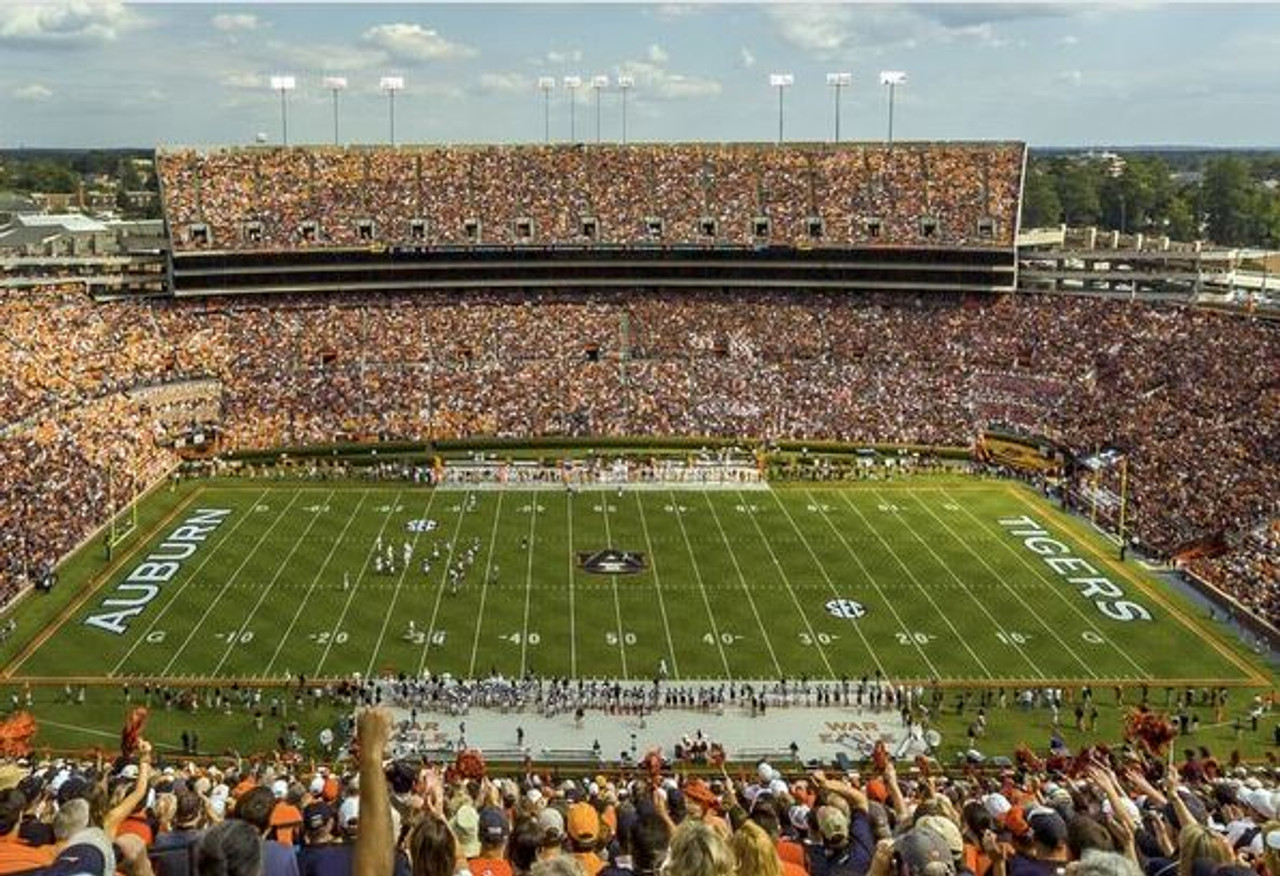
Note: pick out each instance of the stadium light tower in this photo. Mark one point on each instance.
(781, 81)
(335, 84)
(838, 82)
(284, 84)
(546, 84)
(392, 84)
(625, 84)
(573, 83)
(892, 79)
(598, 84)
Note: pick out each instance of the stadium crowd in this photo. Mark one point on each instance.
(1188, 394)
(927, 194)
(1123, 811)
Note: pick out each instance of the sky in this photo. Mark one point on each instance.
(85, 73)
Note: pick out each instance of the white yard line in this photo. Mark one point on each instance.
(528, 584)
(1048, 583)
(617, 604)
(573, 617)
(484, 589)
(346, 606)
(395, 594)
(226, 585)
(1035, 667)
(924, 591)
(302, 603)
(733, 558)
(657, 585)
(183, 586)
(266, 591)
(444, 575)
(697, 573)
(831, 585)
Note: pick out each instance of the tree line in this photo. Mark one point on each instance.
(1226, 199)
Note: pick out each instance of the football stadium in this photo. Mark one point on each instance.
(706, 507)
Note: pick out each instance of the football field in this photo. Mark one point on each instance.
(963, 580)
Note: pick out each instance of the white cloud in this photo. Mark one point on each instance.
(328, 58)
(66, 22)
(246, 81)
(657, 54)
(33, 93)
(413, 43)
(506, 83)
(655, 82)
(675, 11)
(824, 31)
(747, 59)
(1071, 77)
(566, 56)
(236, 22)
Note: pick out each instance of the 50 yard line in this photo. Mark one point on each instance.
(395, 594)
(657, 585)
(617, 604)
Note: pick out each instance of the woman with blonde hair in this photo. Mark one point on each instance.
(755, 852)
(697, 849)
(1195, 843)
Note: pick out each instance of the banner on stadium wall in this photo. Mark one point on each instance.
(1021, 451)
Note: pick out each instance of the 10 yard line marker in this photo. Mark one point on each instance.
(227, 585)
(266, 591)
(916, 581)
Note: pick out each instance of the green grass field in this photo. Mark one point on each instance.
(920, 579)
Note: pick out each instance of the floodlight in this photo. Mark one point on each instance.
(572, 82)
(283, 83)
(391, 83)
(599, 81)
(840, 80)
(893, 77)
(546, 83)
(781, 80)
(626, 82)
(335, 83)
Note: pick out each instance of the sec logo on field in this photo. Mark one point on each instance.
(420, 525)
(845, 609)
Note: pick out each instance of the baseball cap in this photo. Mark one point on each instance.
(349, 812)
(832, 823)
(924, 852)
(945, 828)
(1047, 828)
(584, 822)
(88, 853)
(493, 826)
(798, 815)
(552, 824)
(280, 789)
(317, 815)
(466, 827)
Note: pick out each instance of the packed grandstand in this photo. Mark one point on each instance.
(98, 395)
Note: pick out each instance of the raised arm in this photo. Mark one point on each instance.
(375, 846)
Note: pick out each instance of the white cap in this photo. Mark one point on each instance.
(317, 785)
(349, 811)
(534, 796)
(280, 788)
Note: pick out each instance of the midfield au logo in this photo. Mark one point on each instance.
(611, 561)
